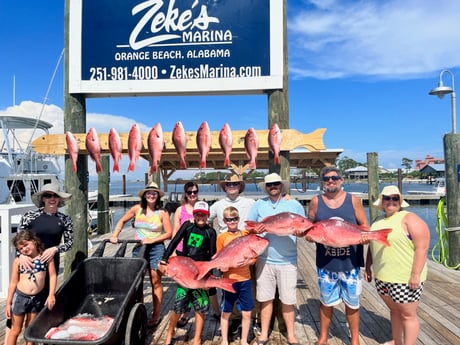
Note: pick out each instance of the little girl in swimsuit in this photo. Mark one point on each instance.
(26, 292)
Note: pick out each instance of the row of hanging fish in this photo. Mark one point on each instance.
(156, 145)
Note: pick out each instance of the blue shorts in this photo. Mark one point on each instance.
(243, 295)
(336, 287)
(153, 254)
(24, 304)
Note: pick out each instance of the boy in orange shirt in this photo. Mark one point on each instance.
(243, 286)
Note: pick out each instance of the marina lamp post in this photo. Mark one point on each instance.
(442, 90)
(452, 168)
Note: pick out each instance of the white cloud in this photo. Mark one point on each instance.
(383, 39)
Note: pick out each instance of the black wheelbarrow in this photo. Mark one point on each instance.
(100, 286)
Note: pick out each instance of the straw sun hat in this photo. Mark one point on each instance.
(274, 177)
(387, 191)
(233, 178)
(151, 186)
(51, 188)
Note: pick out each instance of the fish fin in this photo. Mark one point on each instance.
(131, 166)
(382, 236)
(224, 283)
(203, 268)
(116, 167)
(250, 224)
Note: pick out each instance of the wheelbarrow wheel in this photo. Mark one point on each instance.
(136, 326)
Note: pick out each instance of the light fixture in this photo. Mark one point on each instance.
(442, 90)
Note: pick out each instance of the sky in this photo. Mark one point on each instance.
(360, 69)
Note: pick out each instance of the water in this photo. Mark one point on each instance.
(426, 212)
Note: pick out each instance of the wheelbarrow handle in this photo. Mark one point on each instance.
(99, 252)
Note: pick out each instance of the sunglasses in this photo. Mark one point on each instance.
(392, 198)
(233, 219)
(271, 184)
(190, 192)
(231, 184)
(333, 178)
(152, 192)
(50, 195)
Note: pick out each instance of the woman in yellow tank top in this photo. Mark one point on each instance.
(152, 224)
(399, 269)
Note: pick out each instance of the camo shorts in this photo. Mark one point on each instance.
(186, 298)
(399, 293)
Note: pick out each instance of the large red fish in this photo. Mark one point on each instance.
(203, 143)
(240, 252)
(251, 145)
(226, 142)
(93, 147)
(115, 148)
(72, 149)
(338, 233)
(274, 142)
(155, 145)
(184, 272)
(134, 145)
(179, 140)
(282, 224)
(81, 327)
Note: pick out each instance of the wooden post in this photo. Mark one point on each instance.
(373, 183)
(103, 202)
(75, 183)
(278, 112)
(452, 160)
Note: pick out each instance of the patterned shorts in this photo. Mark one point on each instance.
(399, 293)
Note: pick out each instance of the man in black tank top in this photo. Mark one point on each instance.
(338, 269)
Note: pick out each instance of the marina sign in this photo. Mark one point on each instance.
(171, 47)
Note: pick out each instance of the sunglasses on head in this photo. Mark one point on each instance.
(392, 198)
(271, 184)
(333, 178)
(233, 219)
(50, 195)
(190, 192)
(231, 184)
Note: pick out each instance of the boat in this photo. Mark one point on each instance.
(439, 188)
(22, 171)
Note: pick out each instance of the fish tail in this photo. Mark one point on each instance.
(252, 164)
(74, 167)
(203, 268)
(182, 163)
(227, 161)
(98, 166)
(223, 283)
(277, 160)
(203, 163)
(382, 236)
(250, 224)
(131, 166)
(116, 166)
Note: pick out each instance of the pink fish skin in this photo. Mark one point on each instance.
(184, 272)
(274, 142)
(240, 252)
(226, 142)
(134, 145)
(338, 233)
(282, 224)
(251, 145)
(179, 140)
(72, 149)
(115, 148)
(155, 143)
(93, 147)
(203, 143)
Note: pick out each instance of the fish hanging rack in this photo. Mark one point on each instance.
(55, 144)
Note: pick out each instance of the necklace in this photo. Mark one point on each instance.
(275, 204)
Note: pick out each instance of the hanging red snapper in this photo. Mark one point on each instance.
(240, 252)
(251, 145)
(274, 142)
(226, 142)
(184, 272)
(134, 145)
(94, 148)
(203, 143)
(282, 224)
(115, 148)
(156, 144)
(338, 233)
(179, 140)
(72, 149)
